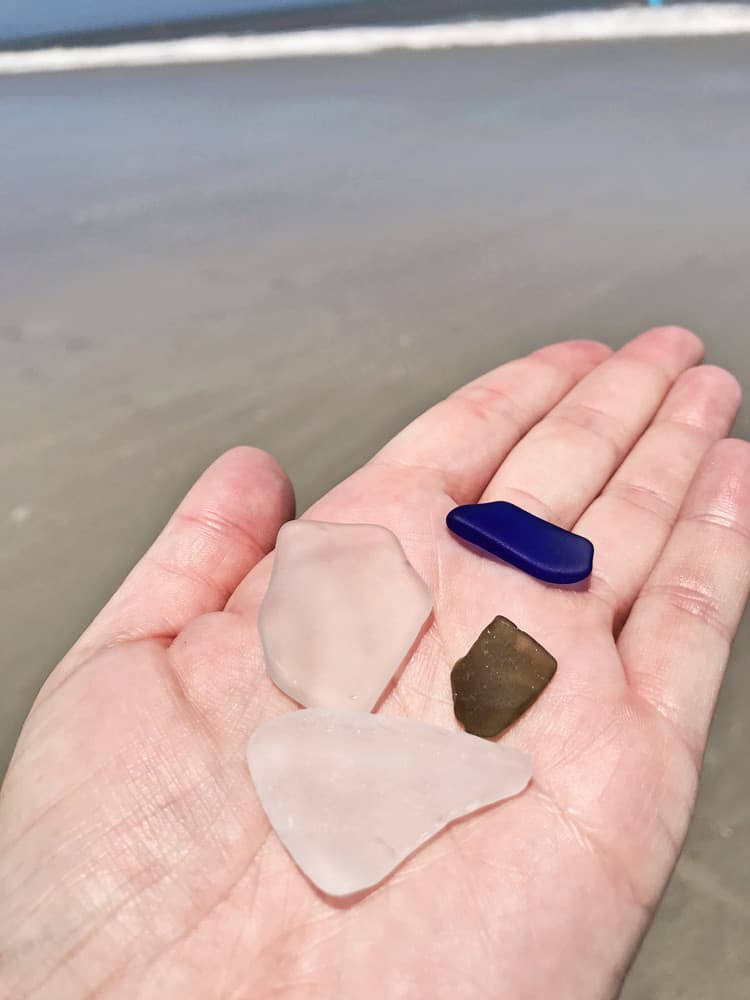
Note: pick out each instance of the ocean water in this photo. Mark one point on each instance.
(26, 18)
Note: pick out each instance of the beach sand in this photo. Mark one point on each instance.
(303, 255)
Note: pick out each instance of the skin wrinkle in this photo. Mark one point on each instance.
(468, 883)
(162, 873)
(52, 807)
(646, 707)
(591, 842)
(60, 847)
(418, 694)
(126, 825)
(594, 420)
(183, 574)
(190, 705)
(691, 425)
(621, 604)
(666, 710)
(729, 523)
(438, 580)
(284, 949)
(54, 685)
(229, 962)
(563, 411)
(542, 356)
(526, 500)
(599, 739)
(225, 530)
(99, 991)
(398, 465)
(602, 591)
(184, 936)
(490, 402)
(645, 498)
(187, 691)
(208, 777)
(75, 877)
(689, 599)
(315, 921)
(64, 962)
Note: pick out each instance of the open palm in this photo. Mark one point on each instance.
(135, 859)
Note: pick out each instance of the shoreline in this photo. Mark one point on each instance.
(679, 21)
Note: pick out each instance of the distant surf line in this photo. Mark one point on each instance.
(679, 21)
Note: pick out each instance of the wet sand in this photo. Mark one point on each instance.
(303, 255)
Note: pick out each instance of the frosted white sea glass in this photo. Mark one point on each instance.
(342, 611)
(352, 795)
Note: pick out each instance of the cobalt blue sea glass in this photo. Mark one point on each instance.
(537, 547)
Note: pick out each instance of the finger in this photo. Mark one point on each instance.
(631, 521)
(224, 526)
(676, 641)
(559, 468)
(462, 440)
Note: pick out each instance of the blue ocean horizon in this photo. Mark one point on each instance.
(53, 17)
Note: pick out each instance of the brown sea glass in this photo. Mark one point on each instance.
(503, 674)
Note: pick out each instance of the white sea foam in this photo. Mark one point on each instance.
(573, 26)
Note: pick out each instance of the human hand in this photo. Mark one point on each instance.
(135, 858)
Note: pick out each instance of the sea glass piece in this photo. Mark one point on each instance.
(530, 543)
(351, 795)
(342, 610)
(501, 676)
